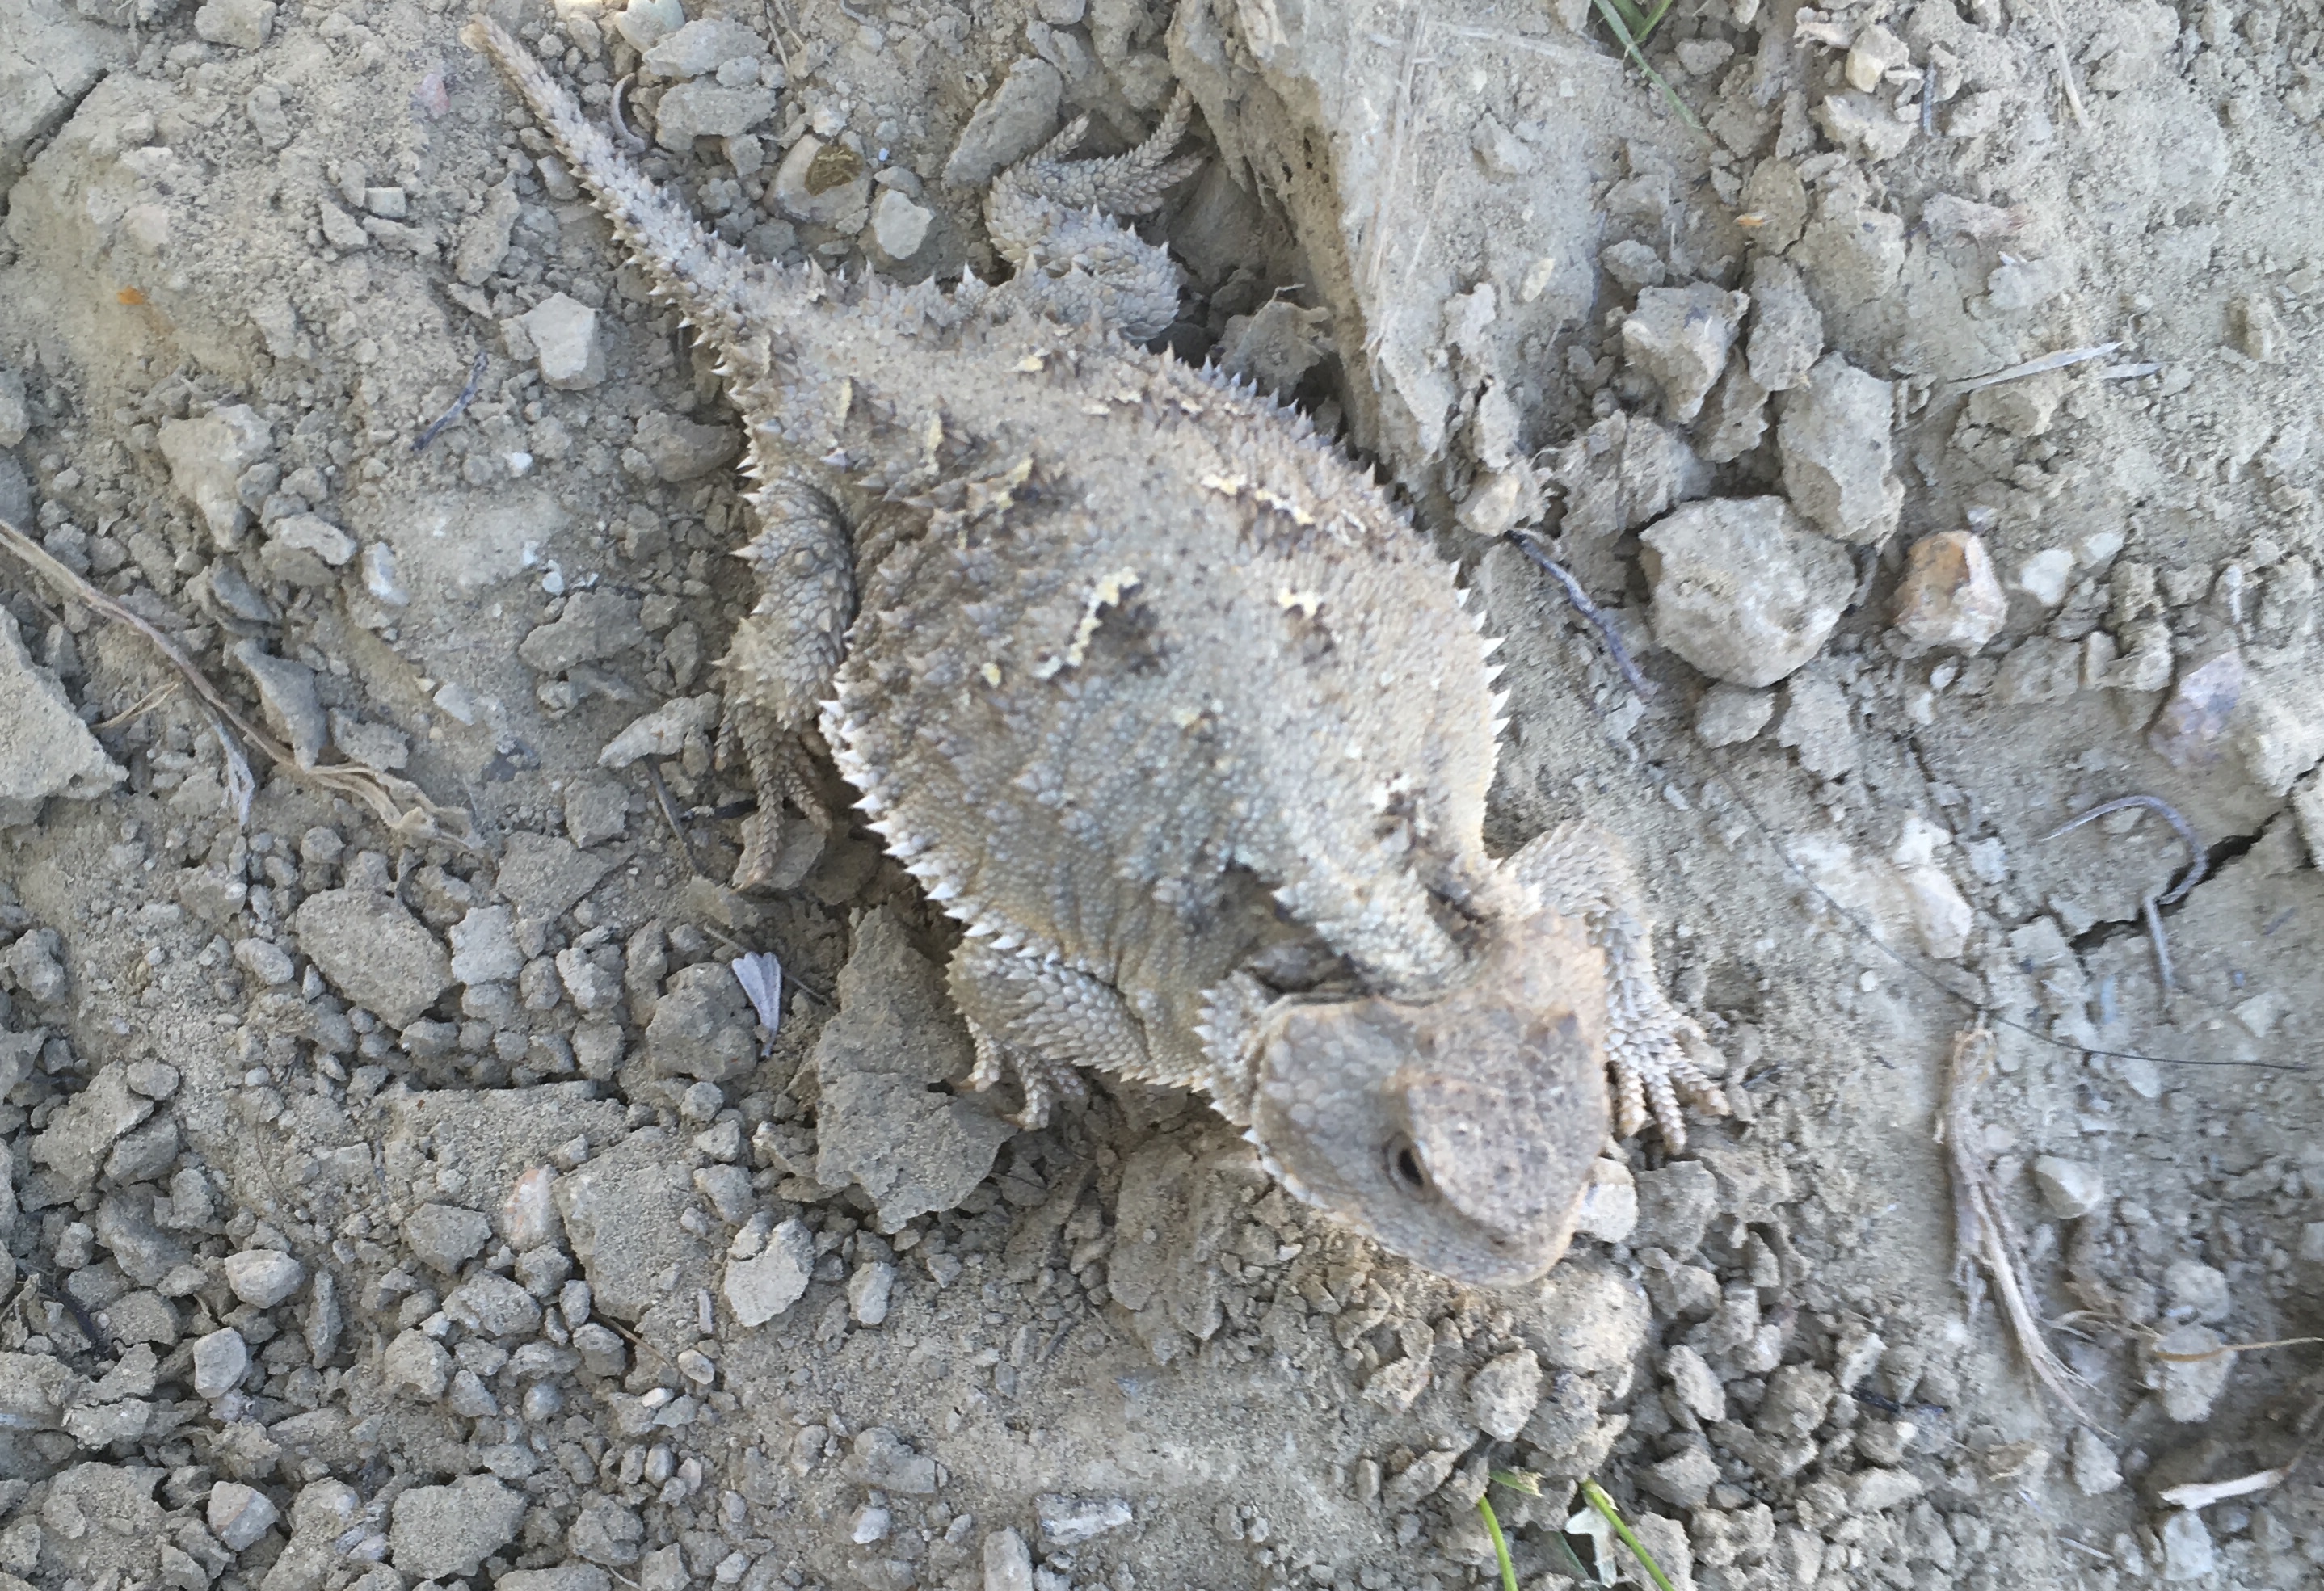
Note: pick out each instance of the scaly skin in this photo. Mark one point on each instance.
(1161, 699)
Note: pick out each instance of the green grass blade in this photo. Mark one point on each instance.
(1650, 22)
(1611, 10)
(1500, 1542)
(1604, 1504)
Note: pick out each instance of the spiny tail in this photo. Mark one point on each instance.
(710, 279)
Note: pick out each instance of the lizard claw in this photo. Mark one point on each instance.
(1652, 1057)
(780, 771)
(1044, 1083)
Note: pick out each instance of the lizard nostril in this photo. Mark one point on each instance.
(1404, 1166)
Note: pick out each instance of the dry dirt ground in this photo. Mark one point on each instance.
(396, 1210)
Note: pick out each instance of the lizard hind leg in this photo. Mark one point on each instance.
(1053, 218)
(785, 653)
(1581, 871)
(1043, 1021)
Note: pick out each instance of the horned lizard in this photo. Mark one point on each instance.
(1159, 696)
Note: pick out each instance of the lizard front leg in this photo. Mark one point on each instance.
(1044, 1021)
(1581, 871)
(784, 654)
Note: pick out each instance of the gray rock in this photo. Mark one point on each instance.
(606, 1533)
(415, 1365)
(1786, 328)
(2094, 1468)
(444, 1237)
(82, 1131)
(1741, 589)
(311, 534)
(824, 185)
(690, 110)
(880, 1125)
(2198, 1289)
(2071, 1188)
(595, 624)
(899, 227)
(1818, 724)
(484, 948)
(264, 1277)
(492, 1305)
(760, 1289)
(485, 240)
(238, 24)
(221, 1359)
(1697, 1387)
(239, 1514)
(374, 953)
(727, 1189)
(45, 748)
(700, 48)
(265, 961)
(565, 1577)
(439, 1531)
(528, 1216)
(596, 809)
(1587, 1318)
(1068, 1522)
(564, 336)
(2188, 1553)
(2187, 733)
(1007, 1562)
(546, 876)
(868, 1290)
(48, 61)
(144, 1154)
(1503, 1392)
(1009, 125)
(1949, 595)
(287, 699)
(681, 450)
(375, 745)
(1833, 435)
(703, 1026)
(319, 1516)
(1728, 714)
(1680, 336)
(206, 457)
(15, 418)
(1685, 1478)
(622, 1214)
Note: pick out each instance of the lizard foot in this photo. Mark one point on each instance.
(1043, 1081)
(1651, 1048)
(780, 770)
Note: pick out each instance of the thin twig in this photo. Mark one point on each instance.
(2162, 948)
(1983, 1234)
(2041, 366)
(468, 396)
(2199, 861)
(419, 816)
(669, 814)
(145, 705)
(1588, 609)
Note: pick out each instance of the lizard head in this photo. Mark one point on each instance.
(1457, 1131)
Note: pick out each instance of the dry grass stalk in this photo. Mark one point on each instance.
(1984, 1236)
(400, 803)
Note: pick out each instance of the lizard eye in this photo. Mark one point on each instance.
(1404, 1168)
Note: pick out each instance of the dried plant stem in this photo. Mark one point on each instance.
(399, 804)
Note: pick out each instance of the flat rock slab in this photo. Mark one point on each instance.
(879, 1125)
(45, 749)
(374, 953)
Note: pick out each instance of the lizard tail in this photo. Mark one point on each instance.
(707, 278)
